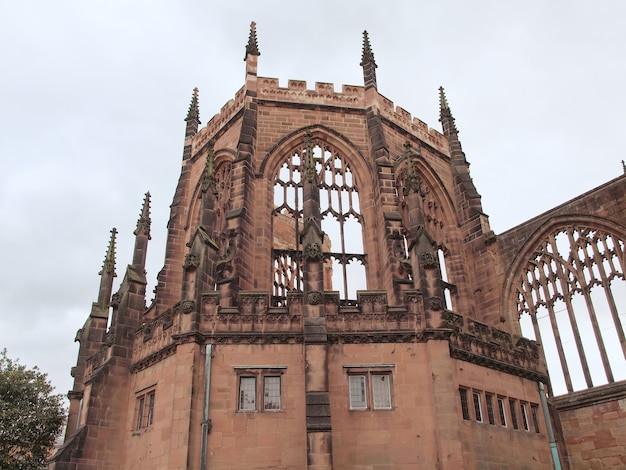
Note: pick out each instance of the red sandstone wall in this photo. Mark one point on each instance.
(270, 439)
(594, 426)
(425, 428)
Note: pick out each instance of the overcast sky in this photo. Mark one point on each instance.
(93, 95)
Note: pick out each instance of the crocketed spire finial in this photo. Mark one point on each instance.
(368, 56)
(194, 111)
(143, 224)
(445, 114)
(109, 259)
(252, 47)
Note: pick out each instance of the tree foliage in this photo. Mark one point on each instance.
(31, 416)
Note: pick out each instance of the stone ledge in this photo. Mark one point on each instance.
(592, 396)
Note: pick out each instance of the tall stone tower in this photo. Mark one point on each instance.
(331, 297)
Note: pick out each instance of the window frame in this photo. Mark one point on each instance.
(502, 412)
(464, 404)
(478, 411)
(491, 417)
(534, 411)
(257, 377)
(372, 395)
(145, 400)
(513, 411)
(524, 415)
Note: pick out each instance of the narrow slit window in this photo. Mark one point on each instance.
(513, 411)
(523, 409)
(501, 412)
(477, 408)
(464, 404)
(490, 415)
(534, 413)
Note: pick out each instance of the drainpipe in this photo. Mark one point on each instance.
(206, 422)
(546, 416)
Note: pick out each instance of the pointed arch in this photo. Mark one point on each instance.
(223, 159)
(341, 169)
(292, 141)
(566, 288)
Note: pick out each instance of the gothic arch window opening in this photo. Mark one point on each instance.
(571, 298)
(448, 288)
(341, 222)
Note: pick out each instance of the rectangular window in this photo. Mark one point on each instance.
(513, 414)
(247, 393)
(524, 410)
(501, 412)
(490, 415)
(369, 386)
(477, 408)
(145, 409)
(271, 392)
(464, 405)
(534, 413)
(259, 388)
(358, 397)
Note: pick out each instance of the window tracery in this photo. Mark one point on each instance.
(571, 296)
(342, 251)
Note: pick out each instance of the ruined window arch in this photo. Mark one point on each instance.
(571, 297)
(434, 216)
(341, 219)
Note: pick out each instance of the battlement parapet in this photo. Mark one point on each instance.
(417, 127)
(351, 96)
(218, 121)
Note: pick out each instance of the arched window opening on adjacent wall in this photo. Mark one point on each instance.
(343, 254)
(571, 297)
(448, 289)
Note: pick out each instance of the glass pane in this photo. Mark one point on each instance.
(477, 409)
(271, 393)
(381, 391)
(247, 393)
(140, 413)
(358, 399)
(464, 407)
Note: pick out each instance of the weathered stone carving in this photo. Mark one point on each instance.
(187, 306)
(115, 300)
(191, 262)
(314, 298)
(429, 260)
(435, 303)
(313, 251)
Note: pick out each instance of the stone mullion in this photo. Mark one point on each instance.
(586, 288)
(606, 283)
(318, 422)
(555, 330)
(619, 254)
(567, 297)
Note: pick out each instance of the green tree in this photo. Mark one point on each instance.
(31, 416)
